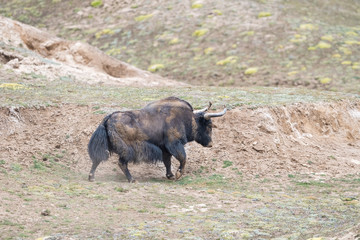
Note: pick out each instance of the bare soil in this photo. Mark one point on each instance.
(319, 139)
(286, 162)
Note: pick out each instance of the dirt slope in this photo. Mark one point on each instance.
(26, 49)
(318, 139)
(314, 44)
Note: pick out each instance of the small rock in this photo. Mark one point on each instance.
(259, 148)
(45, 212)
(14, 63)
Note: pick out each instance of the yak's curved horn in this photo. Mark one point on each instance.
(219, 114)
(202, 110)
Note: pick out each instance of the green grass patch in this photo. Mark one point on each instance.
(159, 205)
(38, 165)
(143, 211)
(101, 197)
(96, 3)
(16, 167)
(8, 223)
(314, 184)
(202, 169)
(100, 112)
(227, 163)
(120, 189)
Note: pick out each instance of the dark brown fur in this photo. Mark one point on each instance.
(154, 133)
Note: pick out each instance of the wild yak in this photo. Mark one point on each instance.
(154, 133)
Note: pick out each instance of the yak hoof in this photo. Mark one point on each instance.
(178, 175)
(170, 176)
(132, 181)
(91, 178)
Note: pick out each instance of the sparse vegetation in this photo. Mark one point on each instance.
(308, 44)
(314, 184)
(325, 209)
(227, 163)
(16, 167)
(96, 3)
(50, 93)
(38, 165)
(120, 189)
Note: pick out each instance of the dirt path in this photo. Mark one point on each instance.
(283, 172)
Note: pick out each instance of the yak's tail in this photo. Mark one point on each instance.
(98, 147)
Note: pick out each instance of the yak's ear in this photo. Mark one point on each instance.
(214, 125)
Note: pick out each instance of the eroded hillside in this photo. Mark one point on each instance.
(232, 43)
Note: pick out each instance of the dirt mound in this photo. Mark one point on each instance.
(66, 57)
(320, 139)
(301, 138)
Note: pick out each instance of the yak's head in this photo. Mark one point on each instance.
(204, 125)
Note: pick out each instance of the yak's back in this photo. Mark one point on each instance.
(169, 102)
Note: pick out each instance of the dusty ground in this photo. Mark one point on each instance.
(268, 164)
(319, 139)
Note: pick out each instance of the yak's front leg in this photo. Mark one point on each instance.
(124, 167)
(178, 151)
(181, 169)
(167, 162)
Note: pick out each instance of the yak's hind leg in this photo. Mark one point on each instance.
(92, 171)
(167, 162)
(124, 167)
(178, 151)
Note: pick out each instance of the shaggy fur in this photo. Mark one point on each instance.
(157, 131)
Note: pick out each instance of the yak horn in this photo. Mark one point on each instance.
(207, 116)
(202, 110)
